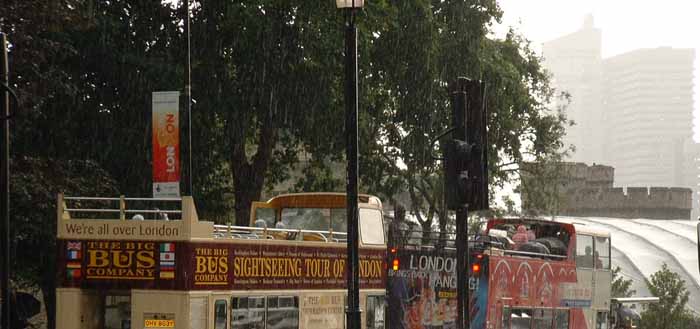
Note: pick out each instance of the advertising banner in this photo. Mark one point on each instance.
(117, 264)
(166, 144)
(425, 290)
(211, 266)
(280, 267)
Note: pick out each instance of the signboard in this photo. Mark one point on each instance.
(322, 311)
(158, 320)
(425, 286)
(573, 295)
(267, 266)
(127, 264)
(155, 323)
(207, 266)
(121, 230)
(166, 144)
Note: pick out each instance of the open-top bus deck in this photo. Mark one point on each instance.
(159, 266)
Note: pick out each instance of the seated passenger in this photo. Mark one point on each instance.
(531, 235)
(521, 237)
(261, 223)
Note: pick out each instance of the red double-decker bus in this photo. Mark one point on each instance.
(533, 274)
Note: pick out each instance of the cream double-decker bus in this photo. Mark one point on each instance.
(152, 263)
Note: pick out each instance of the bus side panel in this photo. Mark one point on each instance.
(479, 293)
(160, 305)
(77, 308)
(319, 310)
(578, 319)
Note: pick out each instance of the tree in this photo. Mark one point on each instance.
(670, 312)
(414, 59)
(620, 287)
(34, 185)
(268, 73)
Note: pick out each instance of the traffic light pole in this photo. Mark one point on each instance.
(466, 175)
(462, 263)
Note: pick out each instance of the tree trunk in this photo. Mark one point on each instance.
(426, 226)
(245, 193)
(249, 177)
(48, 290)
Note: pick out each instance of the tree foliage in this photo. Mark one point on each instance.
(267, 78)
(670, 312)
(34, 185)
(620, 286)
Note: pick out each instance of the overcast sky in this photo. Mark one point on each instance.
(626, 25)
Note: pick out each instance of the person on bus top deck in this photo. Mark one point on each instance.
(521, 237)
(531, 234)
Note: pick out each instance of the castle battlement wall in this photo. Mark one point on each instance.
(588, 191)
(635, 202)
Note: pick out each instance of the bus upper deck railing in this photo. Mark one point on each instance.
(412, 239)
(89, 207)
(262, 233)
(166, 219)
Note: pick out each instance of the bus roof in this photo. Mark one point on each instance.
(319, 200)
(590, 230)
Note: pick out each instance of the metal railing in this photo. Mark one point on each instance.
(262, 233)
(90, 207)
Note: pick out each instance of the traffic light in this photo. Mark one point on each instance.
(466, 174)
(457, 154)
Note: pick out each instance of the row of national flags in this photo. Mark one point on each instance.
(74, 257)
(167, 261)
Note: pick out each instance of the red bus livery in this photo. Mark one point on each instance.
(522, 274)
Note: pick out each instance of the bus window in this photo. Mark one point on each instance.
(198, 312)
(306, 218)
(220, 309)
(248, 312)
(339, 220)
(283, 312)
(602, 253)
(266, 214)
(561, 319)
(584, 251)
(520, 319)
(117, 312)
(601, 320)
(376, 305)
(371, 226)
(542, 318)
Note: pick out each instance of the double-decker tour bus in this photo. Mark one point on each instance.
(159, 266)
(533, 274)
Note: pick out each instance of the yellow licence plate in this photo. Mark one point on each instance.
(150, 323)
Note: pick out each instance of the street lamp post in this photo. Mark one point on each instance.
(6, 293)
(351, 108)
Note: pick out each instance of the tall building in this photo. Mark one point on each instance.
(648, 114)
(633, 111)
(574, 61)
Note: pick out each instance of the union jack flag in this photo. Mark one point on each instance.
(74, 245)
